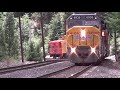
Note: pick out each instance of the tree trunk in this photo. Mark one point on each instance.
(21, 39)
(42, 36)
(115, 43)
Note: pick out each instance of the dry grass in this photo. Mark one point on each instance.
(10, 62)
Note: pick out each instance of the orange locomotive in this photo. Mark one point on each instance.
(87, 39)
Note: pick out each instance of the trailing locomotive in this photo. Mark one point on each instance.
(87, 38)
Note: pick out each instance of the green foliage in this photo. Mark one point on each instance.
(55, 29)
(113, 20)
(31, 47)
(10, 39)
(46, 16)
(2, 43)
(34, 50)
(56, 26)
(26, 26)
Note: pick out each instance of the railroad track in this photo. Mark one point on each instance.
(83, 70)
(86, 69)
(56, 72)
(28, 66)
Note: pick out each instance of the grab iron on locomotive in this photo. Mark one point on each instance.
(86, 40)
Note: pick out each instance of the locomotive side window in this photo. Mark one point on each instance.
(74, 23)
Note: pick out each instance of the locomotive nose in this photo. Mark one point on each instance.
(83, 51)
(83, 55)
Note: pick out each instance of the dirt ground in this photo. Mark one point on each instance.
(108, 69)
(11, 63)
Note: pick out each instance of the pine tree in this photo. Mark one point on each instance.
(55, 29)
(11, 47)
(57, 25)
(2, 43)
(113, 20)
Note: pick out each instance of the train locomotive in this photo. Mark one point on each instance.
(87, 39)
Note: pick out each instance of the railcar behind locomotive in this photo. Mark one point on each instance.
(58, 48)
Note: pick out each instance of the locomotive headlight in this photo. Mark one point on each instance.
(83, 33)
(92, 50)
(73, 50)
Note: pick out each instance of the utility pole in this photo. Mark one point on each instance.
(42, 35)
(21, 39)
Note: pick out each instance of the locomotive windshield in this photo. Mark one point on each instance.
(83, 20)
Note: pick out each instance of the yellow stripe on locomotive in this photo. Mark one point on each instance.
(83, 36)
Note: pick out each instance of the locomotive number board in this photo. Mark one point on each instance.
(83, 17)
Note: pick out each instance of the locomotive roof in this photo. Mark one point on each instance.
(83, 14)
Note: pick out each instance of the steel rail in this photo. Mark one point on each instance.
(56, 72)
(28, 66)
(83, 70)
